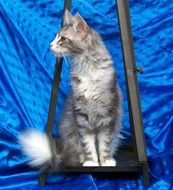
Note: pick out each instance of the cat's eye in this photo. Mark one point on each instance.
(61, 40)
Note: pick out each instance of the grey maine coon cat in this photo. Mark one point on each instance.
(90, 125)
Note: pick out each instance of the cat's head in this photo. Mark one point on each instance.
(73, 38)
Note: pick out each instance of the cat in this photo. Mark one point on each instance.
(91, 122)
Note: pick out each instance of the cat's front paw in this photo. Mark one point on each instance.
(109, 162)
(90, 163)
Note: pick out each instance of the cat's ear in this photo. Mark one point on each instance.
(68, 18)
(80, 26)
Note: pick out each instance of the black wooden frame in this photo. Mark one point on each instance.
(132, 157)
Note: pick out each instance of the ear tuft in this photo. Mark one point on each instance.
(68, 18)
(80, 25)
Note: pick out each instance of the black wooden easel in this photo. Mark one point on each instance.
(132, 157)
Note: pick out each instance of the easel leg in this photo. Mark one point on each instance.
(43, 172)
(52, 106)
(132, 84)
(42, 178)
(145, 173)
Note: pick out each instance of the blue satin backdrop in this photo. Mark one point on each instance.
(26, 73)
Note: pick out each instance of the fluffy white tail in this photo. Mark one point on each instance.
(36, 146)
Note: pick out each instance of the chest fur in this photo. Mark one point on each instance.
(89, 79)
(87, 85)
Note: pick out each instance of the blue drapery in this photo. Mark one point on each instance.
(26, 73)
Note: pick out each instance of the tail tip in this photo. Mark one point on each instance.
(36, 146)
